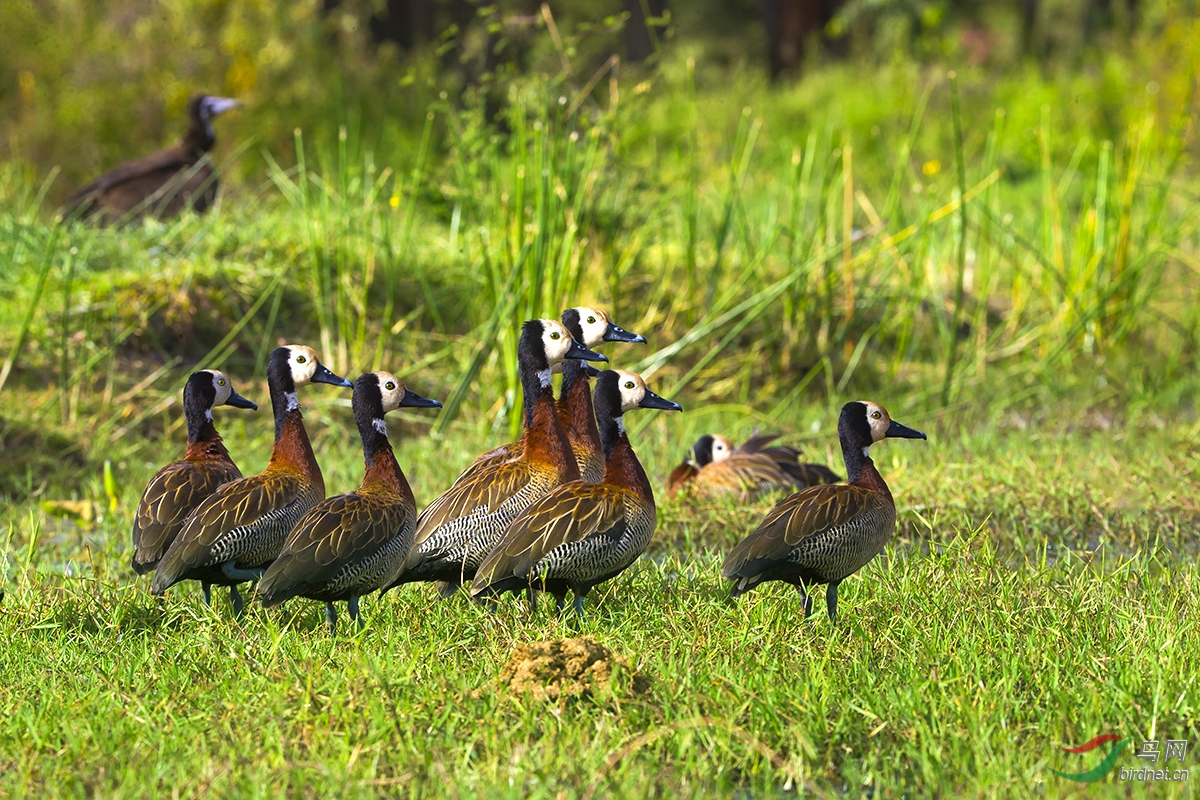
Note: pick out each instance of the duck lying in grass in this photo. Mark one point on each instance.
(752, 469)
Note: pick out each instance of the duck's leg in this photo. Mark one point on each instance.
(533, 601)
(235, 574)
(579, 597)
(235, 597)
(560, 602)
(352, 605)
(331, 617)
(831, 600)
(806, 600)
(206, 589)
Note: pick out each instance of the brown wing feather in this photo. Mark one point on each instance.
(744, 472)
(173, 493)
(486, 488)
(505, 452)
(159, 166)
(680, 477)
(570, 513)
(236, 505)
(806, 513)
(337, 531)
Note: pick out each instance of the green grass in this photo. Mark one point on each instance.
(1031, 600)
(1007, 262)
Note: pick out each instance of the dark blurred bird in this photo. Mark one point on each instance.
(237, 532)
(350, 545)
(753, 468)
(582, 534)
(161, 184)
(176, 489)
(824, 534)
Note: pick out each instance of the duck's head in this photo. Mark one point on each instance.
(204, 108)
(215, 389)
(711, 447)
(546, 342)
(592, 326)
(295, 365)
(624, 391)
(377, 393)
(863, 423)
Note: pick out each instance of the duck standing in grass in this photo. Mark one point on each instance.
(350, 545)
(233, 535)
(591, 327)
(458, 529)
(824, 534)
(581, 533)
(176, 489)
(751, 469)
(161, 184)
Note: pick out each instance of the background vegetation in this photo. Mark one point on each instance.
(990, 231)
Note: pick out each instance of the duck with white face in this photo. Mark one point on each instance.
(179, 487)
(237, 532)
(350, 545)
(591, 327)
(582, 534)
(754, 468)
(458, 529)
(824, 534)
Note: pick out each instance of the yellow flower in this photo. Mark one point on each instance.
(394, 201)
(931, 167)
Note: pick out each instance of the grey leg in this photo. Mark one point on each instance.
(352, 604)
(235, 574)
(560, 602)
(235, 597)
(331, 617)
(831, 600)
(533, 602)
(206, 588)
(578, 609)
(805, 600)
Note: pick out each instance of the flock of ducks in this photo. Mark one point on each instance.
(563, 509)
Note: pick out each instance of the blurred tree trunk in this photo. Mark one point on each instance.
(640, 41)
(408, 23)
(789, 24)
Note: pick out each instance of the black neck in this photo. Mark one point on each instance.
(607, 414)
(198, 414)
(281, 384)
(368, 416)
(856, 460)
(572, 371)
(531, 386)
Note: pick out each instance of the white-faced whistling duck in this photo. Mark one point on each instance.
(233, 535)
(751, 469)
(176, 489)
(824, 534)
(458, 529)
(582, 534)
(161, 184)
(350, 545)
(591, 327)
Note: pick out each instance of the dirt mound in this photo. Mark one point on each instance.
(566, 668)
